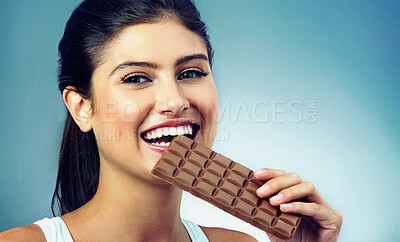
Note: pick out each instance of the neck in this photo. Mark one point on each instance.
(127, 208)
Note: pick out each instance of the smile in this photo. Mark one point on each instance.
(159, 137)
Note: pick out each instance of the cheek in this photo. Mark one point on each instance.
(130, 113)
(209, 102)
(116, 126)
(120, 114)
(209, 108)
(204, 98)
(127, 119)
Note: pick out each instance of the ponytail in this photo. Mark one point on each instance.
(79, 165)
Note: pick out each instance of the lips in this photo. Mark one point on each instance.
(160, 135)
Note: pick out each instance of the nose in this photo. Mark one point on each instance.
(170, 99)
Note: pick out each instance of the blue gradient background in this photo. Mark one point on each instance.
(269, 55)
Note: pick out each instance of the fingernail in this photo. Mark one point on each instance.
(261, 172)
(286, 206)
(276, 198)
(263, 189)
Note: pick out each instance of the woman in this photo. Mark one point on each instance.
(133, 73)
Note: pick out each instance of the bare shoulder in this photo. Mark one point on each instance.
(24, 233)
(220, 234)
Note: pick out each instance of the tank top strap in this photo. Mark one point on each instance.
(195, 232)
(55, 230)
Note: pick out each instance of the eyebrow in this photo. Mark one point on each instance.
(184, 59)
(152, 65)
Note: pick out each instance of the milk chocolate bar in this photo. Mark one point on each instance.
(224, 183)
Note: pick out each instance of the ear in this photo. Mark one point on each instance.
(78, 107)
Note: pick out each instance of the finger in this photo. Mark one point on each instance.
(305, 190)
(324, 216)
(266, 174)
(277, 184)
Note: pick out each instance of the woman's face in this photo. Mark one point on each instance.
(154, 81)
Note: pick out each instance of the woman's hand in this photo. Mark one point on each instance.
(319, 222)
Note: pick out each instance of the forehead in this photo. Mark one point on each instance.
(161, 42)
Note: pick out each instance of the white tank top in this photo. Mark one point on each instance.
(55, 230)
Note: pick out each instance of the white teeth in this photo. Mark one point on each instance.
(161, 144)
(159, 133)
(180, 130)
(166, 132)
(172, 131)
